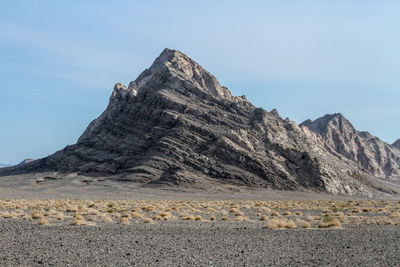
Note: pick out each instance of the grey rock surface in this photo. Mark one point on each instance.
(176, 125)
(195, 244)
(338, 136)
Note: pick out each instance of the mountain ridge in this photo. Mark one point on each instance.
(340, 138)
(176, 125)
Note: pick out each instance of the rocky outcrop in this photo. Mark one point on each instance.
(396, 144)
(338, 136)
(175, 124)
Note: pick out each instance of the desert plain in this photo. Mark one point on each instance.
(81, 224)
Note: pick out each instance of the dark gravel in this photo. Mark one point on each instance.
(192, 243)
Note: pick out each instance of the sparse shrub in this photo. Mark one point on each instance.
(137, 215)
(367, 209)
(274, 213)
(309, 218)
(290, 225)
(36, 215)
(329, 222)
(305, 225)
(224, 218)
(124, 220)
(43, 221)
(334, 209)
(157, 217)
(388, 222)
(107, 219)
(239, 218)
(275, 224)
(79, 217)
(148, 220)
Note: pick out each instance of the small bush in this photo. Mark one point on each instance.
(124, 220)
(290, 225)
(43, 221)
(148, 220)
(274, 213)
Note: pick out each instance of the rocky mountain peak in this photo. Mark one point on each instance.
(338, 136)
(173, 66)
(396, 144)
(330, 121)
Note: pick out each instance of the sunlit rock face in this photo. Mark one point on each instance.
(339, 137)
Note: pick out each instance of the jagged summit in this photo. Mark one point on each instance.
(338, 136)
(336, 120)
(174, 66)
(396, 144)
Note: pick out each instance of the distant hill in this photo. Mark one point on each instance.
(339, 137)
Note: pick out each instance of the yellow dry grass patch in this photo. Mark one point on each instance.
(302, 214)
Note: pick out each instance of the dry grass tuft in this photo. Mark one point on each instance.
(148, 220)
(290, 225)
(43, 221)
(275, 213)
(305, 225)
(329, 222)
(124, 220)
(107, 219)
(275, 224)
(224, 218)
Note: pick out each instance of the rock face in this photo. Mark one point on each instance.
(175, 124)
(396, 144)
(338, 136)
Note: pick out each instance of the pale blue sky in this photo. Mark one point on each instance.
(59, 60)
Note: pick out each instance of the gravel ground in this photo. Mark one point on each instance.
(192, 243)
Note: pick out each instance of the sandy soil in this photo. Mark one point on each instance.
(184, 243)
(37, 186)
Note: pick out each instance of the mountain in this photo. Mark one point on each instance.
(338, 136)
(176, 125)
(396, 144)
